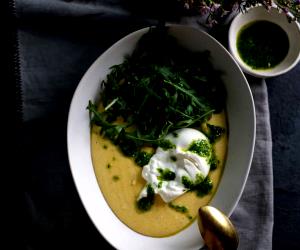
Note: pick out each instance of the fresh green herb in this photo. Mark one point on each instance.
(159, 184)
(166, 174)
(116, 178)
(200, 147)
(202, 186)
(142, 158)
(178, 208)
(214, 132)
(161, 87)
(144, 204)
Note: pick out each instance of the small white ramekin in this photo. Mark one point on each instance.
(260, 13)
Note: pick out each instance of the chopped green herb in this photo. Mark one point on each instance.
(105, 146)
(116, 178)
(200, 147)
(178, 208)
(166, 174)
(142, 158)
(144, 204)
(159, 184)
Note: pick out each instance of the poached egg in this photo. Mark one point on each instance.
(166, 168)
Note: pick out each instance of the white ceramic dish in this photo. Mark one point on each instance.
(260, 13)
(241, 118)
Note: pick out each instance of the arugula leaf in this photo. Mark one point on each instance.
(161, 87)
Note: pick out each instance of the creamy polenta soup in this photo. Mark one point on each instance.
(159, 135)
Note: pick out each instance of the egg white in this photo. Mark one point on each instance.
(187, 164)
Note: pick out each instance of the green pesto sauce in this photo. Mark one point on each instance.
(173, 158)
(142, 158)
(178, 208)
(202, 186)
(200, 147)
(175, 134)
(213, 161)
(166, 174)
(181, 209)
(116, 178)
(144, 204)
(262, 44)
(166, 144)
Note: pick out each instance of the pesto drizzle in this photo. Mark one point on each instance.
(178, 208)
(144, 204)
(142, 158)
(166, 174)
(202, 186)
(181, 209)
(201, 148)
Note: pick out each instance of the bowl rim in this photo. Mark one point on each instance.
(78, 89)
(243, 66)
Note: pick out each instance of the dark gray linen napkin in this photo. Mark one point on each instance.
(58, 40)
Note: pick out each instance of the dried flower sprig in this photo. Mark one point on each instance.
(216, 10)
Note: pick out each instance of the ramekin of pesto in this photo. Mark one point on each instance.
(264, 43)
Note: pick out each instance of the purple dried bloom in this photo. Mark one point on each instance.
(204, 10)
(235, 7)
(215, 6)
(186, 6)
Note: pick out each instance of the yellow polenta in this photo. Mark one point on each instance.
(121, 182)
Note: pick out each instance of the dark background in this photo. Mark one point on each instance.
(51, 212)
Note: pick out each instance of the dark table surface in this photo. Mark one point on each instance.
(53, 215)
(284, 103)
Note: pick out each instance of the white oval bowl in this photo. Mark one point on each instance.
(260, 13)
(241, 119)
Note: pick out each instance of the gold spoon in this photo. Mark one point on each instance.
(216, 229)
